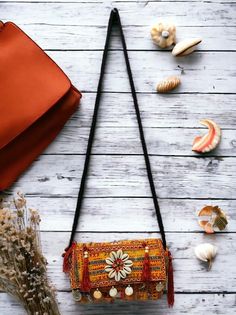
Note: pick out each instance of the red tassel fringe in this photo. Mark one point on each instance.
(170, 288)
(67, 258)
(85, 284)
(146, 273)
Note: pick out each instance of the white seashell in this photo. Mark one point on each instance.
(97, 294)
(209, 141)
(108, 268)
(206, 252)
(117, 276)
(122, 274)
(185, 47)
(125, 257)
(109, 261)
(168, 84)
(113, 256)
(119, 254)
(128, 263)
(129, 290)
(112, 274)
(163, 34)
(113, 292)
(127, 269)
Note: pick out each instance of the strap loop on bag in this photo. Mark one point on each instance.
(115, 18)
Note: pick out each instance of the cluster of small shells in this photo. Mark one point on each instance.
(22, 265)
(164, 35)
(211, 218)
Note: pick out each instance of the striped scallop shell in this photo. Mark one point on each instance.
(168, 84)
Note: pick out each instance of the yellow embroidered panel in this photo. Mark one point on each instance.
(106, 259)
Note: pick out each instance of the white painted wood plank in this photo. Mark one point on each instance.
(132, 13)
(109, 1)
(172, 110)
(126, 141)
(204, 72)
(191, 275)
(194, 303)
(68, 37)
(117, 213)
(174, 177)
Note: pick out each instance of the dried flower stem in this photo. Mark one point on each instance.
(22, 265)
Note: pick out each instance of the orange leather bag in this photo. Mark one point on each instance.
(36, 100)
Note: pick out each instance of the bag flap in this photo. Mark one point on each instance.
(30, 82)
(99, 255)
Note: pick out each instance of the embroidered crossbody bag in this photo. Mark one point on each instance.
(129, 269)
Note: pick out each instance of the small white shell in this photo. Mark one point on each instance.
(185, 47)
(129, 290)
(113, 292)
(206, 252)
(168, 84)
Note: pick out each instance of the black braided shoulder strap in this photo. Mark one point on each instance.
(115, 19)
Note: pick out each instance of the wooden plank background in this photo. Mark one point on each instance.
(118, 203)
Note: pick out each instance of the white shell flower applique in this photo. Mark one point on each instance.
(118, 265)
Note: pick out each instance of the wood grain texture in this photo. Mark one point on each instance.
(194, 303)
(118, 203)
(132, 13)
(116, 140)
(203, 72)
(165, 111)
(80, 37)
(120, 175)
(179, 215)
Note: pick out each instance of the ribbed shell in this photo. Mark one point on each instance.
(168, 84)
(209, 141)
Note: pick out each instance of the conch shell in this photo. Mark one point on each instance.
(185, 47)
(168, 84)
(216, 218)
(163, 34)
(206, 252)
(209, 141)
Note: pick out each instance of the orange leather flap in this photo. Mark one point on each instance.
(30, 82)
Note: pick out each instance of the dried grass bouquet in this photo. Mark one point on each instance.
(22, 265)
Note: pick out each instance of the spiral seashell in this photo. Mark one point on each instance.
(168, 84)
(209, 141)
